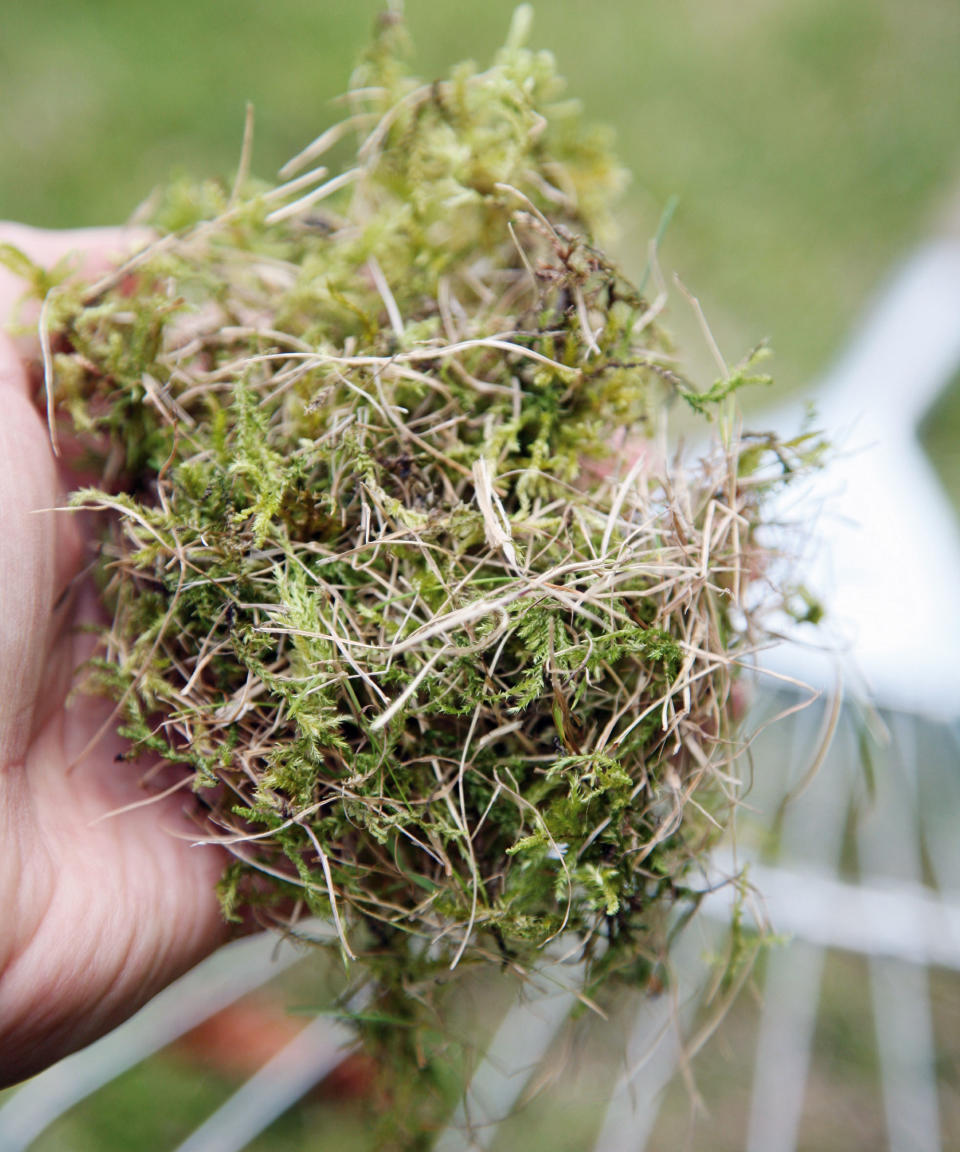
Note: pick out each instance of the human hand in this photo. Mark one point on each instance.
(98, 914)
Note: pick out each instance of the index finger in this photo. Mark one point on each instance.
(95, 251)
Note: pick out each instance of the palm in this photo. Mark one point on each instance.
(98, 913)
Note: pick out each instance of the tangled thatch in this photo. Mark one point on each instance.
(399, 568)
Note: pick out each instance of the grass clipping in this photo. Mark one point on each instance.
(442, 661)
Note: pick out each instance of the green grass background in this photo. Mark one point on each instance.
(811, 142)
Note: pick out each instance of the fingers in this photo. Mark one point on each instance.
(28, 562)
(93, 251)
(39, 550)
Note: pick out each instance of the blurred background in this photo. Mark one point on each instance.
(810, 143)
(812, 146)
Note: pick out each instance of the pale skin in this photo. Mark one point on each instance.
(97, 912)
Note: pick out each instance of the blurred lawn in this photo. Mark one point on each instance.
(811, 142)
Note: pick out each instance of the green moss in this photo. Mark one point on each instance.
(439, 661)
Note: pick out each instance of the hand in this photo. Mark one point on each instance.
(99, 912)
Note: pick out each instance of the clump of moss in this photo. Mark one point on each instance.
(399, 569)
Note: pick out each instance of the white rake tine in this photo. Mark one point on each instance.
(902, 922)
(656, 1044)
(514, 1054)
(312, 1054)
(887, 846)
(791, 994)
(904, 1030)
(813, 828)
(939, 801)
(228, 975)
